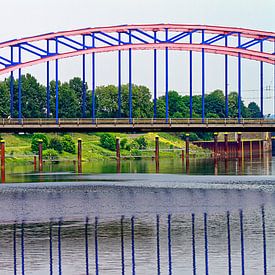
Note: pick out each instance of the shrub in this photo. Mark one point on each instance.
(68, 144)
(35, 141)
(56, 144)
(108, 141)
(50, 154)
(136, 153)
(123, 143)
(142, 142)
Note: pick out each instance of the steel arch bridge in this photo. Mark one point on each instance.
(51, 47)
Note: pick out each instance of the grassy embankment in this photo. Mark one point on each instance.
(18, 147)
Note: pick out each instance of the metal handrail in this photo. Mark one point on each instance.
(134, 121)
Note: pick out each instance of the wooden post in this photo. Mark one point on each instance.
(40, 152)
(182, 154)
(157, 153)
(118, 149)
(157, 149)
(34, 163)
(239, 145)
(226, 145)
(215, 145)
(187, 140)
(79, 155)
(3, 172)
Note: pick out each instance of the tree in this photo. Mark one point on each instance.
(4, 99)
(33, 97)
(68, 144)
(215, 104)
(36, 140)
(254, 110)
(108, 141)
(56, 144)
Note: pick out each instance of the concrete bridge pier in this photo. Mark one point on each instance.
(3, 172)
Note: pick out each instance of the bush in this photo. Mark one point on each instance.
(68, 144)
(136, 153)
(50, 154)
(108, 141)
(56, 144)
(123, 143)
(142, 142)
(35, 141)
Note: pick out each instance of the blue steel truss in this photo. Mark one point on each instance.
(52, 45)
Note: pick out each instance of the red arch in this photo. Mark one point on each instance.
(248, 54)
(232, 51)
(249, 33)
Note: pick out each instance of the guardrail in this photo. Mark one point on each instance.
(133, 121)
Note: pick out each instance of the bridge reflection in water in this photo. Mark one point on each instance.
(109, 229)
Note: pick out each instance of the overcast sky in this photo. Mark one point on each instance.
(21, 18)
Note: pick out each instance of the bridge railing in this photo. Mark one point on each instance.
(134, 121)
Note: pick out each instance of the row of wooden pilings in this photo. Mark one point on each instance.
(185, 153)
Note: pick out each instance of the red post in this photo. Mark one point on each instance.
(226, 145)
(239, 145)
(187, 140)
(157, 149)
(34, 163)
(118, 149)
(3, 172)
(182, 154)
(215, 145)
(79, 155)
(157, 153)
(40, 152)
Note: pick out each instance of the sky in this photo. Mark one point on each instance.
(30, 17)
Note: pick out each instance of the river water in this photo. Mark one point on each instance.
(207, 218)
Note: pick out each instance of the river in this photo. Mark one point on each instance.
(212, 217)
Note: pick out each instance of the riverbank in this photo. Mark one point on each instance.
(18, 147)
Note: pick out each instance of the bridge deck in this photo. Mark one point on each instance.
(137, 125)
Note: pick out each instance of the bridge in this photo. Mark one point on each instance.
(240, 43)
(137, 125)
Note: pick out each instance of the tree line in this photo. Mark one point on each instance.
(106, 101)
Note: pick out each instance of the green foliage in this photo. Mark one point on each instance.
(108, 141)
(254, 110)
(136, 153)
(35, 142)
(68, 144)
(50, 154)
(56, 144)
(106, 97)
(123, 143)
(142, 142)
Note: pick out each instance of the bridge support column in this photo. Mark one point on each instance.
(40, 151)
(3, 172)
(79, 155)
(215, 145)
(226, 145)
(239, 145)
